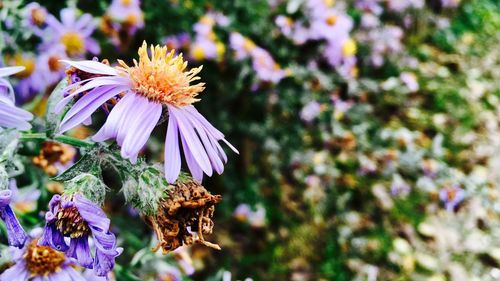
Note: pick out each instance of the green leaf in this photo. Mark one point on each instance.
(53, 119)
(87, 162)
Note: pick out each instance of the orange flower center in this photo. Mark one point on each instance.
(38, 16)
(162, 77)
(54, 64)
(42, 260)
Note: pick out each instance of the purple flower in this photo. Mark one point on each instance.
(35, 17)
(127, 11)
(72, 33)
(49, 65)
(38, 263)
(399, 187)
(134, 117)
(451, 196)
(15, 232)
(310, 111)
(10, 115)
(410, 80)
(78, 218)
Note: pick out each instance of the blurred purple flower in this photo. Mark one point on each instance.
(72, 32)
(78, 218)
(310, 111)
(451, 196)
(399, 187)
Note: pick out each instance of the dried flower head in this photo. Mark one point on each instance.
(187, 210)
(52, 155)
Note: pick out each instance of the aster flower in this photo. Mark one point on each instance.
(127, 12)
(34, 17)
(15, 232)
(451, 196)
(49, 66)
(30, 81)
(35, 262)
(78, 218)
(147, 87)
(10, 115)
(72, 32)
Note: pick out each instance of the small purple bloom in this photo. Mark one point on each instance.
(10, 115)
(399, 187)
(34, 262)
(451, 196)
(310, 111)
(72, 32)
(15, 232)
(79, 219)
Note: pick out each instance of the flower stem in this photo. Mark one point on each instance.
(62, 138)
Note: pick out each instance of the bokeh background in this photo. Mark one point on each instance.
(368, 131)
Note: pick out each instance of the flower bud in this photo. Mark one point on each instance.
(88, 185)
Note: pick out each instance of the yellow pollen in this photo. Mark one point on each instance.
(126, 2)
(28, 63)
(198, 53)
(248, 45)
(221, 49)
(349, 48)
(73, 43)
(331, 20)
(42, 260)
(162, 76)
(329, 3)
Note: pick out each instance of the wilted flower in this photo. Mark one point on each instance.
(15, 232)
(71, 32)
(78, 218)
(185, 212)
(10, 115)
(148, 86)
(35, 262)
(451, 196)
(54, 157)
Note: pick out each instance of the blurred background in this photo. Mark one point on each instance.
(368, 131)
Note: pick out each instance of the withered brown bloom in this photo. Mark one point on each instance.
(184, 216)
(53, 154)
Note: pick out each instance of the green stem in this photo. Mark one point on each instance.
(73, 141)
(34, 136)
(62, 138)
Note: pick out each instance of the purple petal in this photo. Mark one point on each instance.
(115, 119)
(141, 129)
(192, 140)
(7, 71)
(91, 66)
(172, 154)
(86, 105)
(79, 249)
(18, 272)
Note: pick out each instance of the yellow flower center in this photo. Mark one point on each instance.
(42, 260)
(329, 3)
(331, 20)
(248, 45)
(163, 77)
(221, 49)
(349, 48)
(28, 63)
(73, 43)
(198, 53)
(126, 2)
